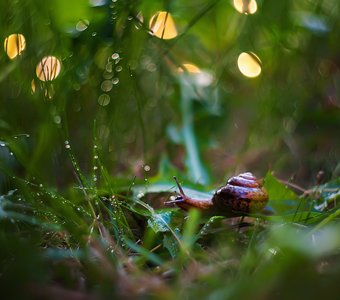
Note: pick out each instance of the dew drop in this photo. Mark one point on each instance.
(104, 99)
(107, 75)
(67, 146)
(108, 68)
(3, 145)
(115, 80)
(119, 68)
(94, 33)
(57, 119)
(115, 56)
(106, 85)
(82, 25)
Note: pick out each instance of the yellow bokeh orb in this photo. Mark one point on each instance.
(48, 68)
(245, 6)
(190, 68)
(14, 45)
(249, 64)
(163, 26)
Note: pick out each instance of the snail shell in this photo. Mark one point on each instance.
(243, 193)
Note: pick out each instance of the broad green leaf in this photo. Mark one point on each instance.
(281, 198)
(207, 226)
(160, 222)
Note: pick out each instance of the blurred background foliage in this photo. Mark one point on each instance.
(122, 85)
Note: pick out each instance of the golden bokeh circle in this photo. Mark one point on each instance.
(14, 45)
(245, 6)
(48, 68)
(163, 26)
(249, 64)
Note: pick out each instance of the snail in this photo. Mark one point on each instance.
(241, 195)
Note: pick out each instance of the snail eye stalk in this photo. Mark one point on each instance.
(179, 186)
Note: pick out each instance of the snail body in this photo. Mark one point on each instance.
(242, 194)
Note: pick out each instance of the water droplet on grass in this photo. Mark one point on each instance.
(82, 25)
(106, 85)
(115, 56)
(57, 119)
(104, 99)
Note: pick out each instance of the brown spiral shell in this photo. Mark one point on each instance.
(243, 193)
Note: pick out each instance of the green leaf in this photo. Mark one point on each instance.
(207, 226)
(277, 190)
(281, 198)
(159, 222)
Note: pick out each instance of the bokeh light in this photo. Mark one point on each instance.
(190, 68)
(249, 64)
(163, 26)
(245, 6)
(197, 76)
(48, 68)
(14, 45)
(33, 87)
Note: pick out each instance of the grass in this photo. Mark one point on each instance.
(97, 242)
